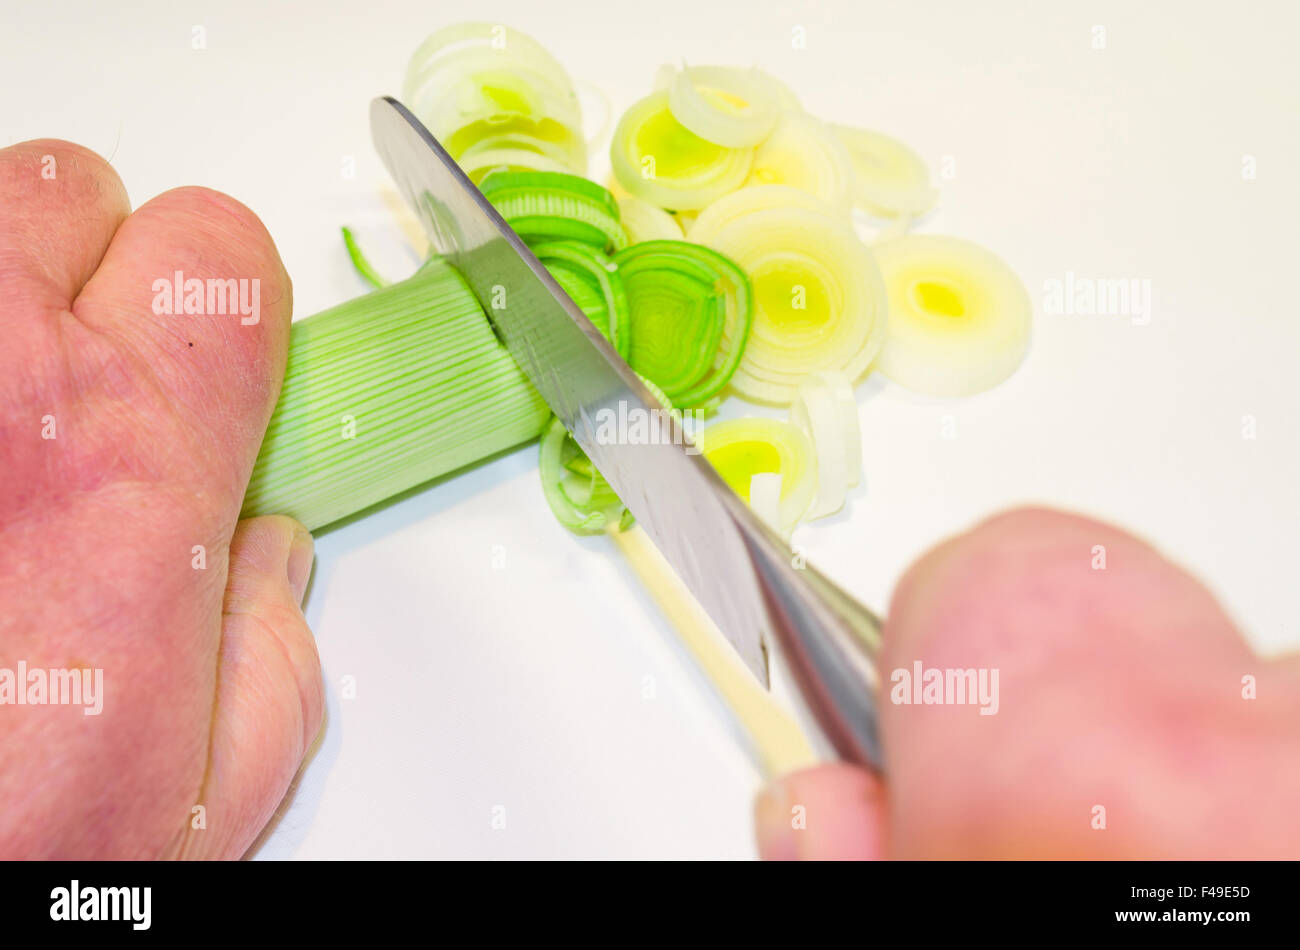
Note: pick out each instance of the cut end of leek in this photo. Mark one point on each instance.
(960, 318)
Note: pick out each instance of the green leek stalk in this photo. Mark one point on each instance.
(384, 393)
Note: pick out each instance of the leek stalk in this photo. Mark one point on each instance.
(386, 392)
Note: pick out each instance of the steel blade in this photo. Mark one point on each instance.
(674, 493)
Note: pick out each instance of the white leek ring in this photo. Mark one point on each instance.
(735, 108)
(481, 81)
(890, 180)
(803, 152)
(750, 200)
(960, 318)
(661, 161)
(819, 300)
(644, 222)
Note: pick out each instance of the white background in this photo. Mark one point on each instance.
(523, 687)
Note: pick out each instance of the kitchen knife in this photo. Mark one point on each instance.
(743, 575)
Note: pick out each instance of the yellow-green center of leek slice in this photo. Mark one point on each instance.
(739, 462)
(677, 151)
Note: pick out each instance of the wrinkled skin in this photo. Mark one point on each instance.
(211, 680)
(1120, 688)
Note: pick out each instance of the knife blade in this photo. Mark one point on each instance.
(738, 569)
(674, 496)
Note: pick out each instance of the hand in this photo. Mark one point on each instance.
(126, 442)
(1120, 688)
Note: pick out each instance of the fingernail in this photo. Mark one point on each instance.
(829, 812)
(301, 556)
(773, 824)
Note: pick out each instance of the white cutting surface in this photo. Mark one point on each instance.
(547, 686)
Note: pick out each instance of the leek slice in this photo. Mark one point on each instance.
(522, 184)
(583, 503)
(819, 302)
(803, 152)
(576, 492)
(959, 316)
(890, 180)
(475, 83)
(691, 312)
(544, 206)
(739, 449)
(659, 160)
(610, 313)
(749, 200)
(736, 108)
(587, 297)
(644, 222)
(504, 140)
(481, 163)
(826, 411)
(786, 100)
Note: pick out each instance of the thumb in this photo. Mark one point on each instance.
(831, 812)
(270, 699)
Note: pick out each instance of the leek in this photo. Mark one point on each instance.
(644, 222)
(805, 153)
(386, 392)
(890, 180)
(959, 317)
(579, 268)
(819, 302)
(744, 449)
(732, 107)
(545, 206)
(691, 310)
(484, 86)
(359, 261)
(659, 160)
